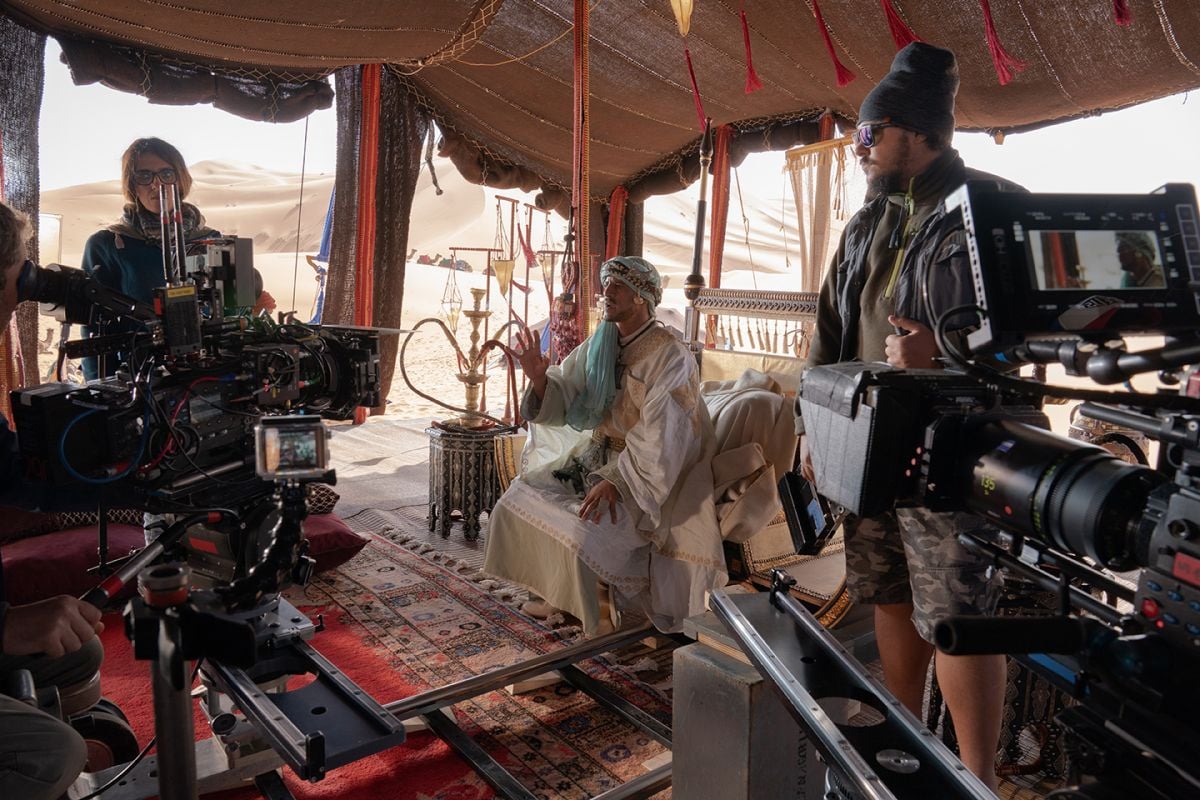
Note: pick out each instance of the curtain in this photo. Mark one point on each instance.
(22, 74)
(403, 126)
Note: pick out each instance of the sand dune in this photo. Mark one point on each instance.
(264, 205)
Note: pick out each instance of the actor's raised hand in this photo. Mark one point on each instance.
(915, 349)
(603, 495)
(533, 363)
(55, 627)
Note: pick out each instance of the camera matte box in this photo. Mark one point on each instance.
(844, 414)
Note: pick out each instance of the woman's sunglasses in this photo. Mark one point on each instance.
(868, 135)
(166, 175)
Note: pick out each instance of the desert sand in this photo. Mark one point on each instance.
(245, 200)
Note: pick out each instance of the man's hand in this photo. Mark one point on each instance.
(916, 349)
(55, 627)
(603, 495)
(533, 363)
(806, 465)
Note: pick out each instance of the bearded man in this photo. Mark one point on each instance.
(614, 504)
(902, 262)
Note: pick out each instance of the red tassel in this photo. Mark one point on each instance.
(753, 84)
(844, 75)
(1121, 13)
(902, 35)
(1004, 63)
(695, 88)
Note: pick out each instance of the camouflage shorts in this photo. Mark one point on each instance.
(913, 556)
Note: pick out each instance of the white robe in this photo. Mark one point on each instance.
(664, 551)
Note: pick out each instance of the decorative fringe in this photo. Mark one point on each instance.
(844, 75)
(1121, 13)
(753, 84)
(1004, 63)
(687, 56)
(644, 664)
(902, 35)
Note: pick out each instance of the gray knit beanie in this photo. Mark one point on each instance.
(918, 92)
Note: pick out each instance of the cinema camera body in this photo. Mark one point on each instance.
(1061, 279)
(201, 386)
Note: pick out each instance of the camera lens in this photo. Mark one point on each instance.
(1075, 496)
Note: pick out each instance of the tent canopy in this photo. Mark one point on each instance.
(498, 73)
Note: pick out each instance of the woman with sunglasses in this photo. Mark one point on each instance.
(127, 256)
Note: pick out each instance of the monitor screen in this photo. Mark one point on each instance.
(1095, 260)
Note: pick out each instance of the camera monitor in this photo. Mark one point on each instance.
(291, 448)
(1052, 264)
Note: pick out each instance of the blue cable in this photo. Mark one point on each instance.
(133, 464)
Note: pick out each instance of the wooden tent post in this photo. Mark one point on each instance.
(368, 165)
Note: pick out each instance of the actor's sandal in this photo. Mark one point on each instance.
(539, 609)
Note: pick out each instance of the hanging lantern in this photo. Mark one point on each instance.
(451, 301)
(683, 15)
(503, 267)
(546, 262)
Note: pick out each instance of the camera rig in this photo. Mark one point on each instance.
(212, 419)
(1057, 279)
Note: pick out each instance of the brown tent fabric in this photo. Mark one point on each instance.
(498, 73)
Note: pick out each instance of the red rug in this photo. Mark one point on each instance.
(398, 624)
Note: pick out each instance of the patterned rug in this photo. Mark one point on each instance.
(398, 623)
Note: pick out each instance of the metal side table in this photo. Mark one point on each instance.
(462, 476)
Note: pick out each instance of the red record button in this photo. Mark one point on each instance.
(1150, 608)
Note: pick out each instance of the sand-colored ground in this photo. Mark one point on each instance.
(240, 199)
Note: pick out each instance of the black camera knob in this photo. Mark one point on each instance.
(1182, 528)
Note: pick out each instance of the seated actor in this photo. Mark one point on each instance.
(55, 639)
(615, 501)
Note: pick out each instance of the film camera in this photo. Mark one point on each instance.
(212, 419)
(1057, 279)
(199, 390)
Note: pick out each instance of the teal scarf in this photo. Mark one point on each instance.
(601, 387)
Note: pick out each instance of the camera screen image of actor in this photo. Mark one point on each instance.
(1095, 260)
(903, 260)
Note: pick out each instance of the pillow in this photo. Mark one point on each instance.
(17, 524)
(57, 563)
(321, 498)
(331, 543)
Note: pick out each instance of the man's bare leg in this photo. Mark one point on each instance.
(903, 654)
(972, 685)
(974, 690)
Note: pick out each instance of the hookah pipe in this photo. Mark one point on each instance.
(465, 364)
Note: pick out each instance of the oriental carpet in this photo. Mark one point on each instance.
(398, 623)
